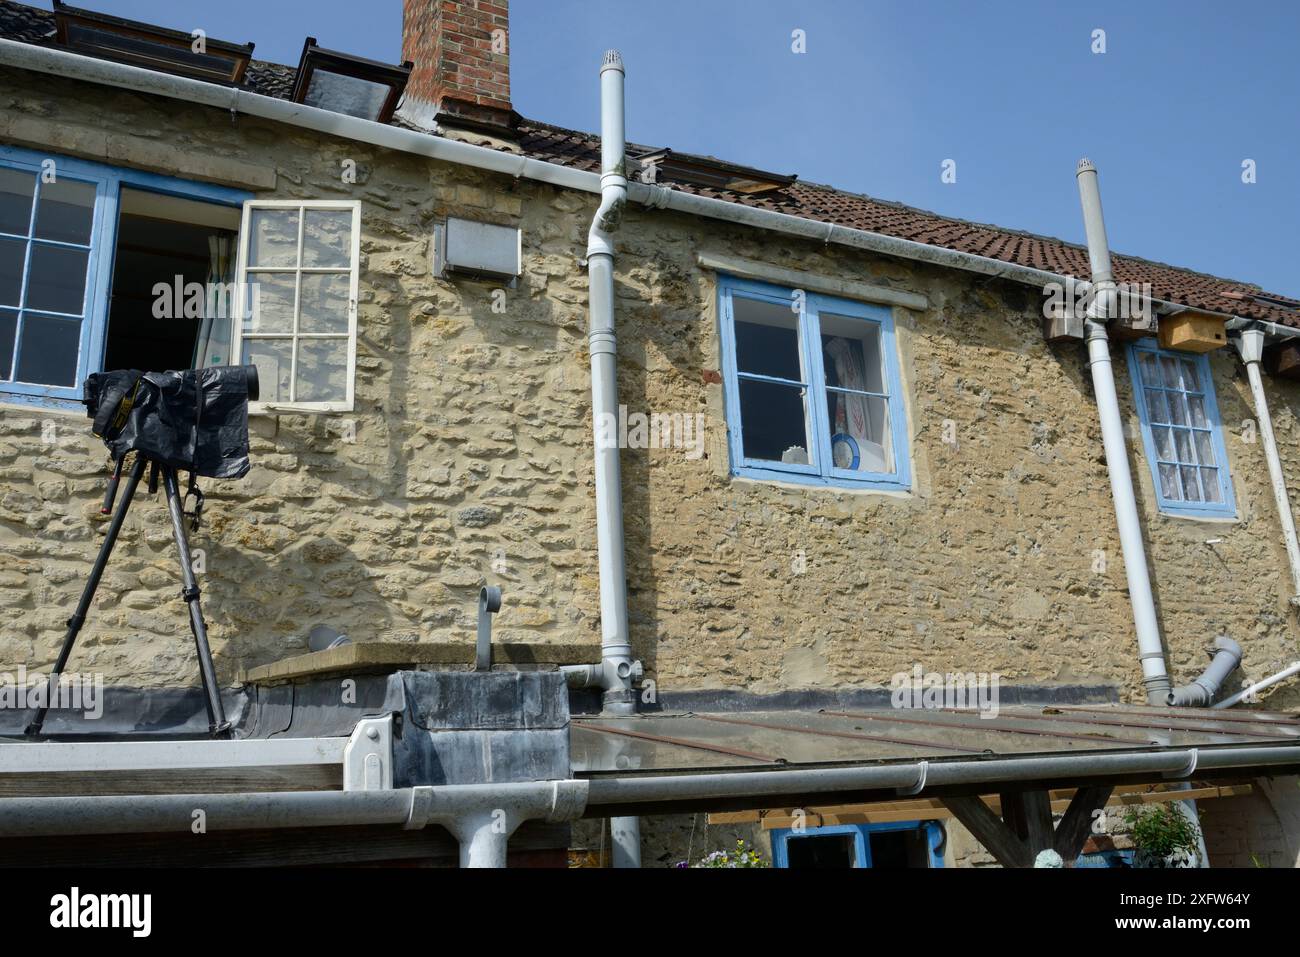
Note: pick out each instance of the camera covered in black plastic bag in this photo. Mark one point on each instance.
(195, 420)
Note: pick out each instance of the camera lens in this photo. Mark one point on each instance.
(253, 384)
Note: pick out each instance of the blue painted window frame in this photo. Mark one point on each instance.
(861, 834)
(1227, 508)
(108, 181)
(822, 471)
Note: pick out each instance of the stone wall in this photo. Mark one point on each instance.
(468, 460)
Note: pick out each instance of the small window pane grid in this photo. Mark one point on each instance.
(1181, 432)
(297, 323)
(779, 350)
(58, 228)
(47, 239)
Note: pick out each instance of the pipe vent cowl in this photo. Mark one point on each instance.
(1085, 166)
(613, 61)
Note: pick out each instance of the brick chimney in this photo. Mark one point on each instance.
(461, 79)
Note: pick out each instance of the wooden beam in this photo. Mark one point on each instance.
(1076, 823)
(990, 830)
(1038, 820)
(932, 809)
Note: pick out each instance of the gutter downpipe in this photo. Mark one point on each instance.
(1151, 653)
(617, 671)
(1250, 346)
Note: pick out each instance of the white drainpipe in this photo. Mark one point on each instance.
(1248, 692)
(1250, 344)
(617, 671)
(1150, 650)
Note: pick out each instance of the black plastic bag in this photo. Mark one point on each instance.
(194, 421)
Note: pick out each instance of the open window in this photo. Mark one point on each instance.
(173, 265)
(105, 267)
(297, 317)
(813, 388)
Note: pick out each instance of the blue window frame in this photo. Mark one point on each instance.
(58, 227)
(930, 835)
(812, 388)
(1181, 431)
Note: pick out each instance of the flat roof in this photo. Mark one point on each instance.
(695, 742)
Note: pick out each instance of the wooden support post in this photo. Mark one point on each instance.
(1076, 823)
(1003, 843)
(1038, 821)
(1013, 812)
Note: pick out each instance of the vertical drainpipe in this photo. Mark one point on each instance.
(617, 671)
(1151, 652)
(1250, 345)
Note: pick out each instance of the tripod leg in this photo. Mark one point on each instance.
(217, 722)
(88, 594)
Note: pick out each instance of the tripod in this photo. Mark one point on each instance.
(218, 726)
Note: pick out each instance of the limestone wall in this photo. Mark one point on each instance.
(468, 460)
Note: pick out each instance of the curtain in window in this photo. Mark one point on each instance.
(213, 345)
(852, 413)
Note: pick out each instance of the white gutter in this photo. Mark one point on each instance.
(1250, 344)
(1150, 650)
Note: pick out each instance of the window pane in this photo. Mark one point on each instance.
(1177, 415)
(1191, 381)
(49, 349)
(65, 211)
(16, 190)
(273, 358)
(860, 437)
(775, 422)
(12, 254)
(1169, 487)
(1156, 406)
(56, 279)
(1170, 368)
(767, 339)
(1205, 448)
(8, 329)
(1183, 442)
(270, 297)
(322, 370)
(1210, 483)
(1196, 407)
(273, 239)
(327, 238)
(1164, 443)
(324, 302)
(852, 353)
(1191, 484)
(1150, 369)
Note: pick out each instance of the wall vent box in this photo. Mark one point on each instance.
(463, 247)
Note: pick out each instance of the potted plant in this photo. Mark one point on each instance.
(742, 856)
(1164, 837)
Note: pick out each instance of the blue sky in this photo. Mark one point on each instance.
(886, 91)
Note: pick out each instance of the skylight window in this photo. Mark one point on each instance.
(153, 48)
(349, 84)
